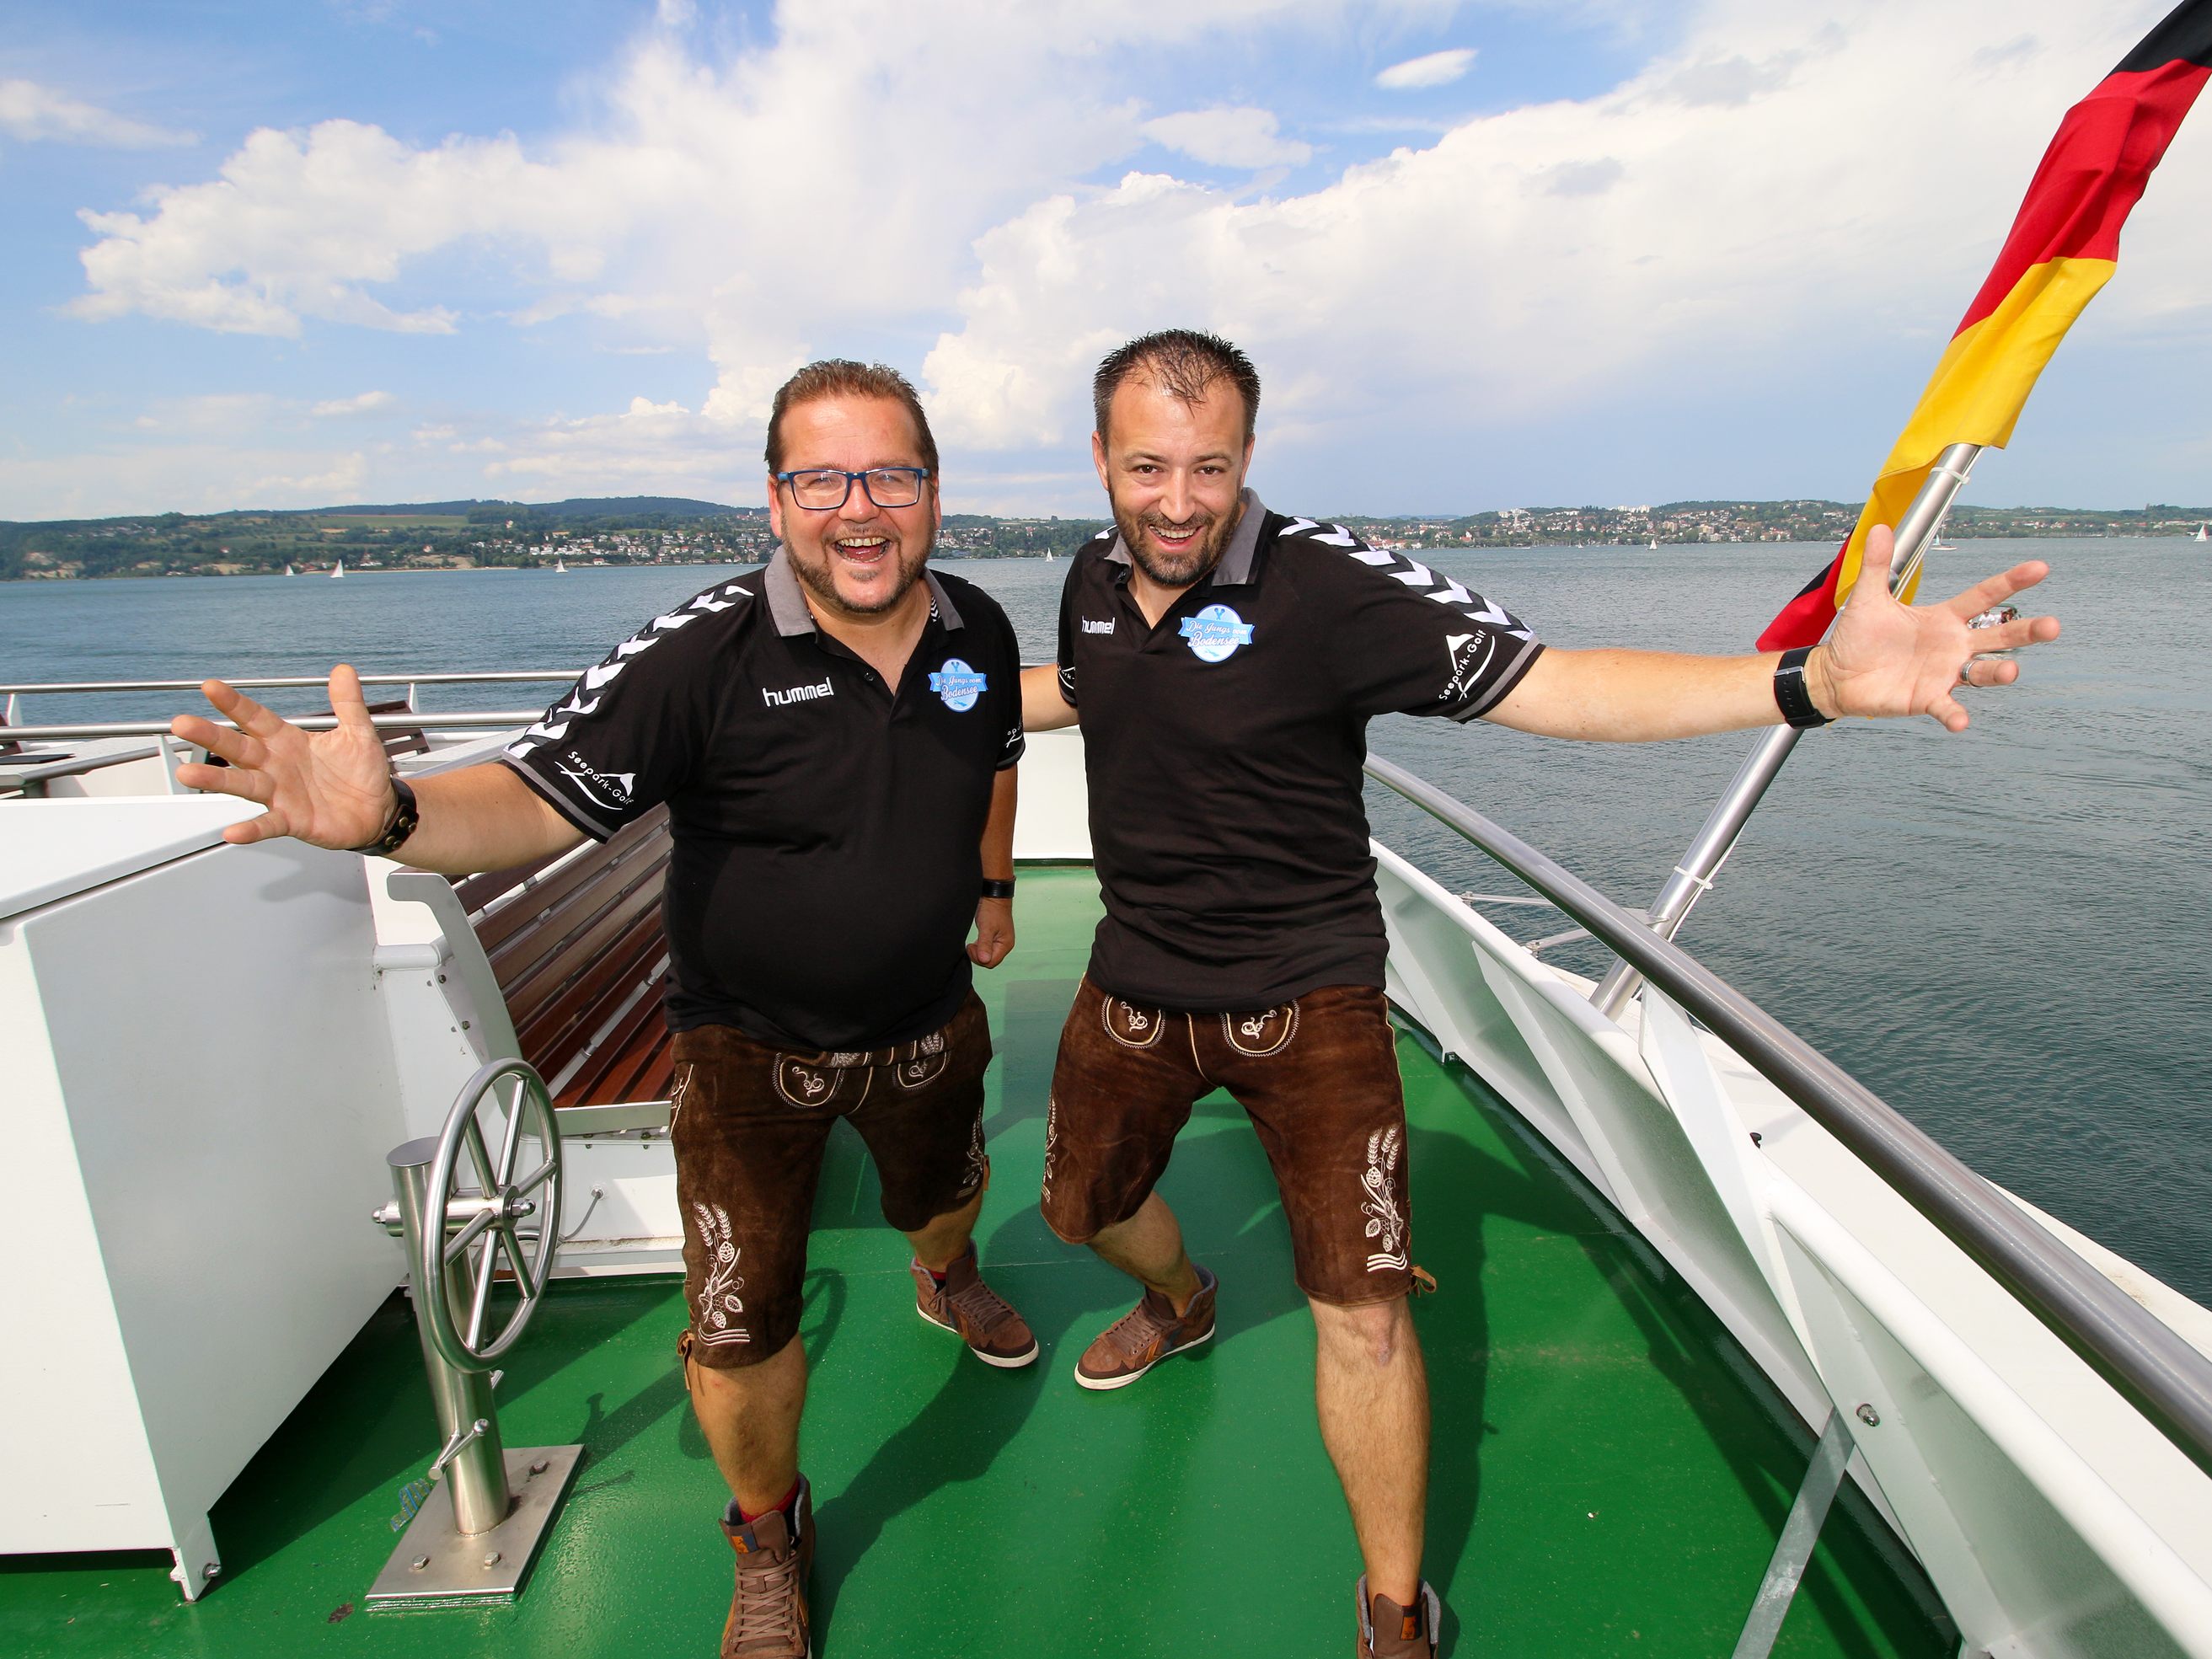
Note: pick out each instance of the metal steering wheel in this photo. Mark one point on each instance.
(480, 1222)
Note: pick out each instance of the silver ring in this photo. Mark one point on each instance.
(1966, 671)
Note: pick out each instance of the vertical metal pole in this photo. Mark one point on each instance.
(1694, 875)
(168, 764)
(475, 1461)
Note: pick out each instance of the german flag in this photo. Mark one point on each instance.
(2063, 247)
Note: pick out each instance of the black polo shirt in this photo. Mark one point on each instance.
(1225, 745)
(827, 832)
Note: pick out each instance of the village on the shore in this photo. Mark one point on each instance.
(660, 530)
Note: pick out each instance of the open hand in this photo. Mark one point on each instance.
(1885, 657)
(332, 788)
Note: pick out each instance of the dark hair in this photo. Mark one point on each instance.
(841, 377)
(1184, 363)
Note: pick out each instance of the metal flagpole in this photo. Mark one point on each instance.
(1693, 876)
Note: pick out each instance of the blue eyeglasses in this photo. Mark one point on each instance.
(819, 489)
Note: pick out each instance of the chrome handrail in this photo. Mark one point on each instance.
(317, 681)
(409, 722)
(2166, 1379)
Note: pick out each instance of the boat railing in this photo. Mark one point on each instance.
(31, 781)
(2159, 1372)
(413, 718)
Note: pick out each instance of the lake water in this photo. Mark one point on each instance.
(2004, 933)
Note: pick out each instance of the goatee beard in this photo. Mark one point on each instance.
(821, 581)
(1185, 569)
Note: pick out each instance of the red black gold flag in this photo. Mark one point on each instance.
(2063, 247)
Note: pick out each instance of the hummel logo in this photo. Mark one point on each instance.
(797, 694)
(1106, 627)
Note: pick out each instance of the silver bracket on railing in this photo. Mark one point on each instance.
(1824, 1477)
(480, 1530)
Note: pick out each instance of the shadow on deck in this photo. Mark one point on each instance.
(1609, 1474)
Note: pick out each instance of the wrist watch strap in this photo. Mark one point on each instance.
(405, 818)
(1791, 696)
(998, 889)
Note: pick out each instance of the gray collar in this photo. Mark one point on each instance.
(1234, 567)
(787, 602)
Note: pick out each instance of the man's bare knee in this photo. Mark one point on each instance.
(1371, 1334)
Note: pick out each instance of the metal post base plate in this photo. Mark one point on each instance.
(436, 1566)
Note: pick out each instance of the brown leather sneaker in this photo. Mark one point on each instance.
(1388, 1631)
(1145, 1335)
(768, 1617)
(966, 1305)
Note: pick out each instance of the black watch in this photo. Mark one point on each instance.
(998, 889)
(1791, 696)
(405, 819)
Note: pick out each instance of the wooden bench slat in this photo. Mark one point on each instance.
(564, 1023)
(659, 1072)
(476, 891)
(598, 867)
(593, 933)
(619, 1056)
(625, 1080)
(574, 944)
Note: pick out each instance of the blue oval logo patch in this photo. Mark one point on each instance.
(958, 685)
(1215, 633)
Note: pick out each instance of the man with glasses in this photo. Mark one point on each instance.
(1224, 661)
(836, 738)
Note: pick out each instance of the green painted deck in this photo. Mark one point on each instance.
(1610, 1475)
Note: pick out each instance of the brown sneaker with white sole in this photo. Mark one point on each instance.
(964, 1304)
(1145, 1335)
(768, 1617)
(1388, 1631)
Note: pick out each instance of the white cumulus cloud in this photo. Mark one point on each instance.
(728, 196)
(1435, 69)
(1238, 138)
(31, 113)
(1775, 185)
(367, 403)
(1850, 181)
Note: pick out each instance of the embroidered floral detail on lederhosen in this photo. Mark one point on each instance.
(1267, 1032)
(979, 1161)
(921, 1063)
(1386, 1224)
(1131, 1026)
(714, 1319)
(676, 1095)
(802, 1084)
(1051, 1143)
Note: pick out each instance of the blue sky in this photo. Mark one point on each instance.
(1486, 255)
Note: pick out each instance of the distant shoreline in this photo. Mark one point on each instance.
(355, 572)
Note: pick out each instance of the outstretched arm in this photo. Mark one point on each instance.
(334, 788)
(1884, 659)
(1043, 710)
